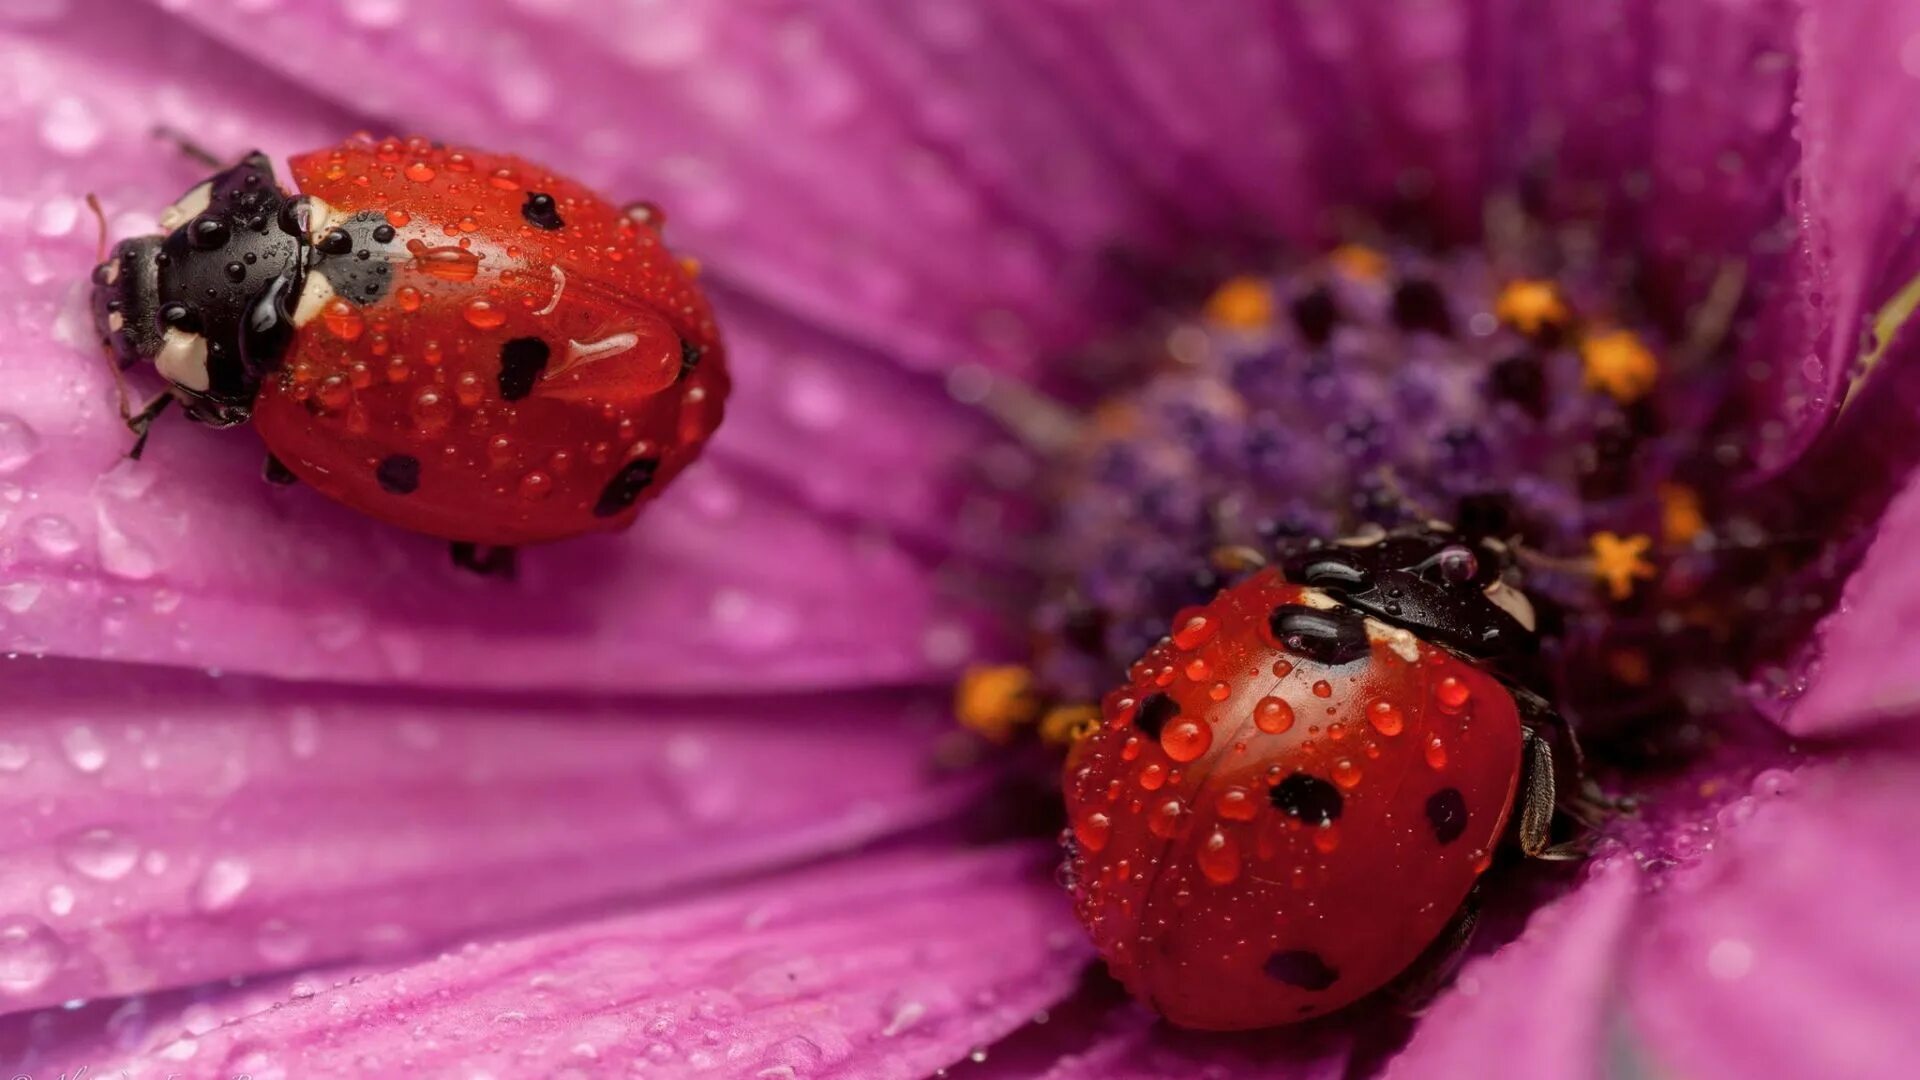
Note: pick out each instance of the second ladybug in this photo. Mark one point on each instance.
(1289, 805)
(456, 342)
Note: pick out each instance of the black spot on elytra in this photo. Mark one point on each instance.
(1314, 314)
(399, 474)
(1309, 798)
(541, 211)
(1302, 968)
(521, 362)
(624, 489)
(690, 355)
(1155, 710)
(1418, 304)
(335, 241)
(1447, 813)
(1332, 636)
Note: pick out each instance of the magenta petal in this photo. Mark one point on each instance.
(187, 558)
(1791, 951)
(1137, 1046)
(162, 828)
(1865, 660)
(886, 966)
(1858, 185)
(1536, 1008)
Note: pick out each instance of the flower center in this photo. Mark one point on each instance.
(1375, 388)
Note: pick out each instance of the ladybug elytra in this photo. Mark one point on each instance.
(460, 343)
(1290, 802)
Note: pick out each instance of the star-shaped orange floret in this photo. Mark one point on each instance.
(1530, 306)
(1243, 303)
(1620, 561)
(1617, 362)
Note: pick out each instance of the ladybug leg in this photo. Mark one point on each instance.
(275, 472)
(193, 151)
(141, 423)
(1538, 793)
(495, 562)
(1436, 966)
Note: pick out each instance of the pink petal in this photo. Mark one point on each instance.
(1861, 157)
(887, 966)
(162, 828)
(1791, 951)
(1865, 666)
(1137, 1046)
(186, 557)
(1533, 1010)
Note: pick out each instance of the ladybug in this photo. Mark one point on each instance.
(460, 343)
(1289, 804)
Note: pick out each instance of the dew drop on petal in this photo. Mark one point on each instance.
(222, 884)
(30, 953)
(53, 535)
(18, 443)
(84, 749)
(102, 854)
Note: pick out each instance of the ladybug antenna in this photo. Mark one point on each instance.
(100, 216)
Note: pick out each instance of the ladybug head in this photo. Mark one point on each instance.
(1440, 585)
(209, 301)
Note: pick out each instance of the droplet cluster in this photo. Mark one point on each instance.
(1212, 832)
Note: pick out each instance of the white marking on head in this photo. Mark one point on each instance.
(190, 206)
(115, 322)
(1403, 642)
(111, 270)
(1513, 602)
(587, 352)
(559, 286)
(182, 359)
(1315, 598)
(314, 295)
(320, 217)
(1365, 536)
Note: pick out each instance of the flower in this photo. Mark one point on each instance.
(283, 794)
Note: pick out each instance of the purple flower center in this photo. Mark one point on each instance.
(1373, 389)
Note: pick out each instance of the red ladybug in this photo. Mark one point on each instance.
(460, 343)
(1292, 799)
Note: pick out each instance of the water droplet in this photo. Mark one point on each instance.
(1436, 753)
(1219, 691)
(536, 485)
(1219, 858)
(1237, 804)
(1452, 694)
(342, 319)
(1282, 668)
(85, 751)
(60, 900)
(432, 412)
(280, 944)
(1346, 774)
(53, 535)
(1322, 688)
(1192, 628)
(1273, 715)
(18, 443)
(1153, 777)
(1092, 831)
(1385, 718)
(420, 172)
(483, 314)
(222, 884)
(1198, 669)
(1165, 819)
(14, 757)
(20, 596)
(29, 954)
(1186, 740)
(102, 854)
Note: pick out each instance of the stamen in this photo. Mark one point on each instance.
(1681, 519)
(1359, 262)
(1243, 303)
(1620, 560)
(1069, 723)
(1617, 362)
(1531, 306)
(996, 701)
